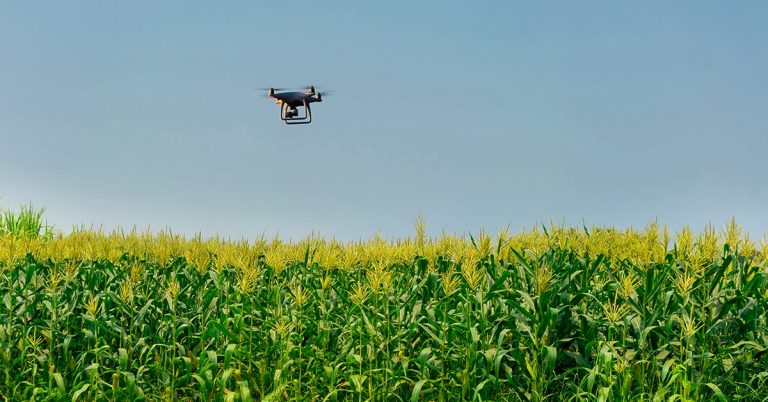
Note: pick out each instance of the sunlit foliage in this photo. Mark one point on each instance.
(557, 313)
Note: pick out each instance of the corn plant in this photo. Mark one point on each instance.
(553, 313)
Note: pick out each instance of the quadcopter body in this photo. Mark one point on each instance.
(290, 102)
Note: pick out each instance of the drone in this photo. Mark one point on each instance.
(290, 102)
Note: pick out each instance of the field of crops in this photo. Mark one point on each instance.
(546, 314)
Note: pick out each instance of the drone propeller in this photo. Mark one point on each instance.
(320, 95)
(310, 89)
(271, 91)
(314, 88)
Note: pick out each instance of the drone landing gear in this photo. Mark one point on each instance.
(291, 116)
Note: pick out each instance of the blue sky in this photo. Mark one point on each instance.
(472, 115)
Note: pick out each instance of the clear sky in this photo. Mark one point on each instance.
(470, 114)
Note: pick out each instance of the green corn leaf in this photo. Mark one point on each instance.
(718, 393)
(416, 393)
(80, 391)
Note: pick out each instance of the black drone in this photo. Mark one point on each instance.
(290, 102)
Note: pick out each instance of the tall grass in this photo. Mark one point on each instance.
(556, 314)
(27, 222)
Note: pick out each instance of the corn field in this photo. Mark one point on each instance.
(555, 313)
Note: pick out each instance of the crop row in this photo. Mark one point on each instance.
(560, 314)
